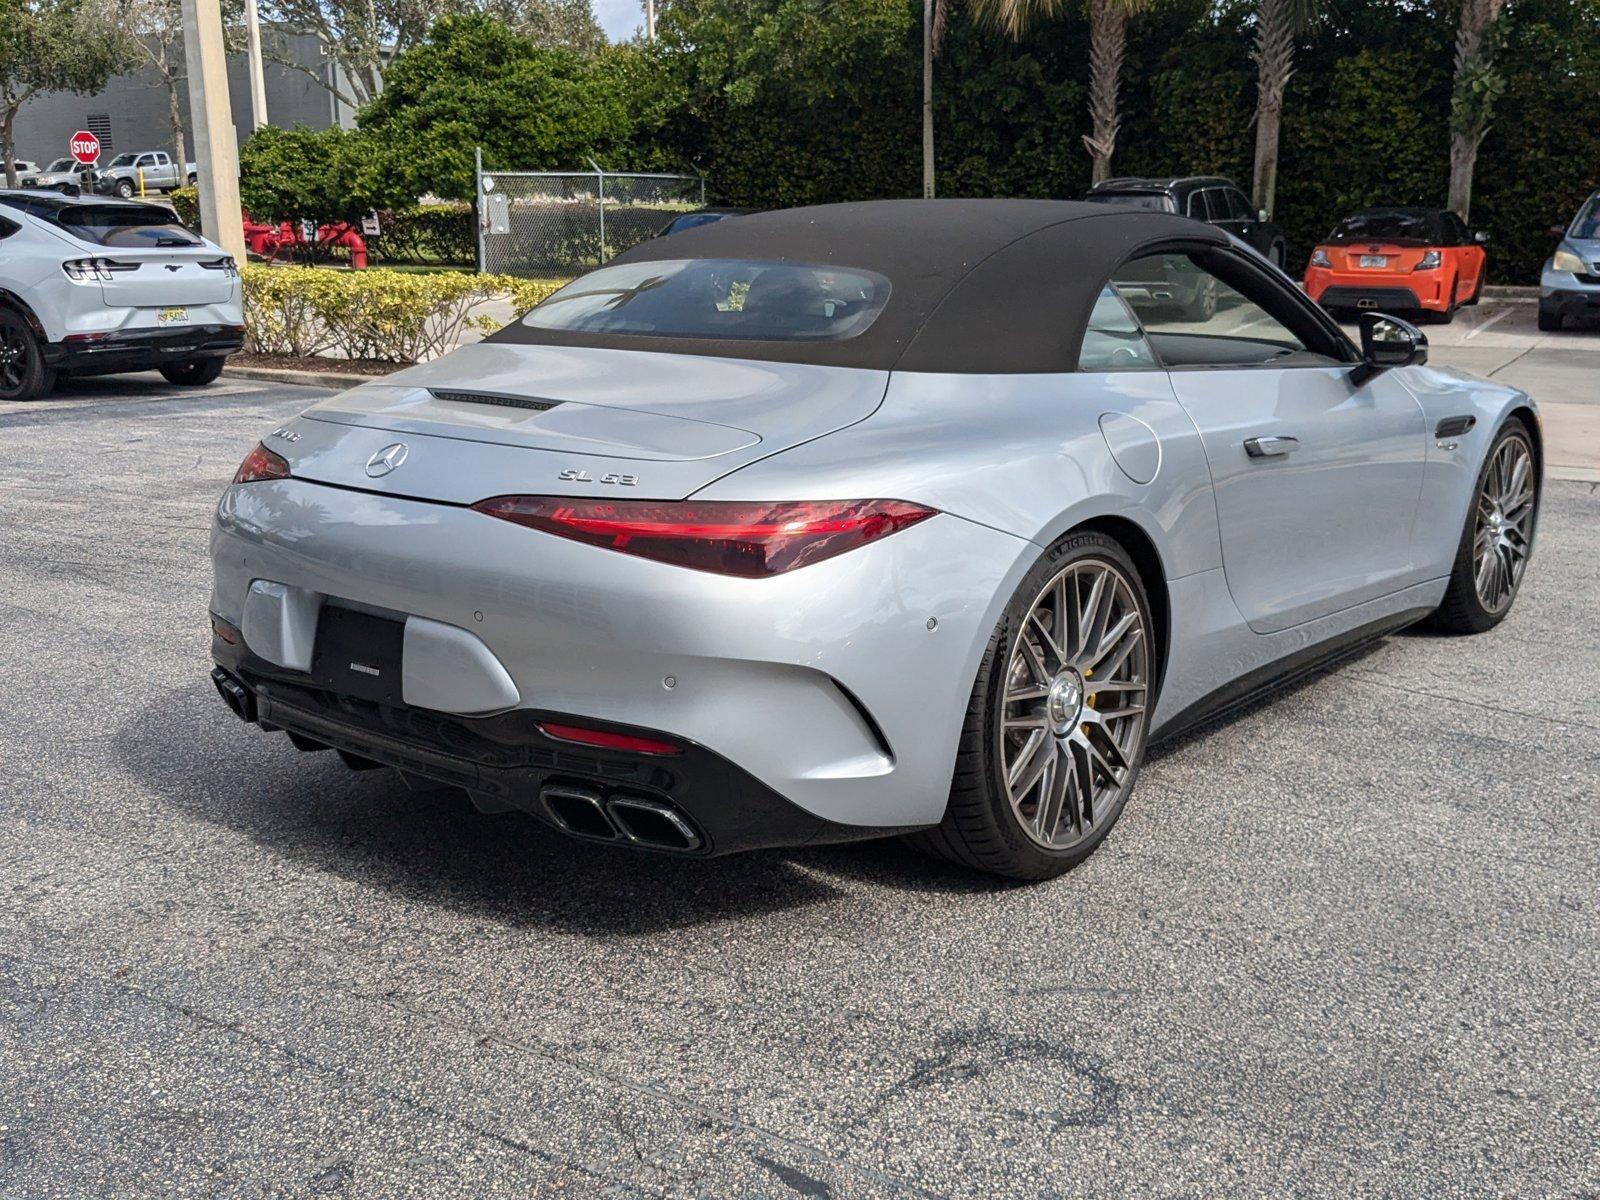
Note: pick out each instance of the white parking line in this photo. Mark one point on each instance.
(1477, 329)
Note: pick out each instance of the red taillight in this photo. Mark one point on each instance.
(730, 537)
(261, 464)
(607, 740)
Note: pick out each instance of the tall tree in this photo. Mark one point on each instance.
(362, 35)
(53, 46)
(154, 30)
(1477, 86)
(1278, 24)
(1108, 43)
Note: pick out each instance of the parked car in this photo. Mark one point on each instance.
(1209, 198)
(1419, 260)
(27, 172)
(66, 173)
(91, 286)
(699, 217)
(866, 519)
(122, 175)
(1569, 286)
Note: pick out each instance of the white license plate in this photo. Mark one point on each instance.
(173, 316)
(1374, 260)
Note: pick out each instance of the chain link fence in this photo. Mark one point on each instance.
(563, 222)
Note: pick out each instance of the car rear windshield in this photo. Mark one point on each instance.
(126, 225)
(718, 298)
(1151, 201)
(1416, 228)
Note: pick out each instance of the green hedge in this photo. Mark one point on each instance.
(785, 103)
(427, 234)
(375, 314)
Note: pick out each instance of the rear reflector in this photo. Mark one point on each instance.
(259, 465)
(729, 537)
(607, 740)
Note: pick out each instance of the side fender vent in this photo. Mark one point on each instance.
(460, 397)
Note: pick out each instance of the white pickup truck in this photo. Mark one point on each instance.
(120, 177)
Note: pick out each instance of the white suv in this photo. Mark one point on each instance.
(91, 286)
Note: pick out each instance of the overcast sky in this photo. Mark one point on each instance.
(619, 18)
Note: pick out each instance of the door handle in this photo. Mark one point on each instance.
(1270, 447)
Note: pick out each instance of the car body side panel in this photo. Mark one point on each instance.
(1453, 463)
(1025, 454)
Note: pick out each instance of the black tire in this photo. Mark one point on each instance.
(193, 179)
(1204, 305)
(980, 829)
(1477, 293)
(1463, 610)
(23, 373)
(125, 188)
(1549, 322)
(1276, 254)
(195, 372)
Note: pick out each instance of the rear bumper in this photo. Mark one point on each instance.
(1369, 296)
(840, 687)
(506, 762)
(142, 349)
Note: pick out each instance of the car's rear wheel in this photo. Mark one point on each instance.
(1494, 549)
(23, 373)
(1056, 725)
(1203, 305)
(196, 372)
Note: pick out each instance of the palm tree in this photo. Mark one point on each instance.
(1278, 23)
(1477, 86)
(1108, 40)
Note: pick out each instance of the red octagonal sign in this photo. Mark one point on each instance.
(85, 146)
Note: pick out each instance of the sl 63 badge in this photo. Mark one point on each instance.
(576, 475)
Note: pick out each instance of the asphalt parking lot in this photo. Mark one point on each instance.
(1344, 943)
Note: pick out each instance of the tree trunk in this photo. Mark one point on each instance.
(1468, 123)
(1108, 36)
(927, 99)
(1274, 55)
(175, 114)
(6, 145)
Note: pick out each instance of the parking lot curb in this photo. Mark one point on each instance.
(321, 379)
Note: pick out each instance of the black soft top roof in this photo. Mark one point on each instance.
(976, 286)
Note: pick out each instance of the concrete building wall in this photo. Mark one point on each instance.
(135, 106)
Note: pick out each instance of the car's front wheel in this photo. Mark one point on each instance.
(196, 372)
(23, 373)
(1056, 724)
(125, 188)
(1494, 548)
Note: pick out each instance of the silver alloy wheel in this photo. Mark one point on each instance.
(1072, 714)
(1504, 529)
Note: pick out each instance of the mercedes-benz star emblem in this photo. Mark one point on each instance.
(386, 460)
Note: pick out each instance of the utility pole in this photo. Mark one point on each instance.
(216, 154)
(650, 20)
(258, 82)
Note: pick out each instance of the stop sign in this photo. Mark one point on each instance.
(85, 146)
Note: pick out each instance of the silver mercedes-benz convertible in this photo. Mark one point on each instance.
(908, 517)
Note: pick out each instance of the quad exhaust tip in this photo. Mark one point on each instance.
(637, 820)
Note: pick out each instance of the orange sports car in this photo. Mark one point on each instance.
(1410, 259)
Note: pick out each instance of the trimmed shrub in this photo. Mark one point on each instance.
(427, 233)
(186, 203)
(391, 316)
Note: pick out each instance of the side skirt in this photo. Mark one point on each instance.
(1263, 680)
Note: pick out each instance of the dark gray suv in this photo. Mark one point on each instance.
(1209, 198)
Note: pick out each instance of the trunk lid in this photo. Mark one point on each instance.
(497, 419)
(1398, 257)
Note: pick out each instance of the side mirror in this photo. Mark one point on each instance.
(1263, 215)
(1481, 236)
(1390, 342)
